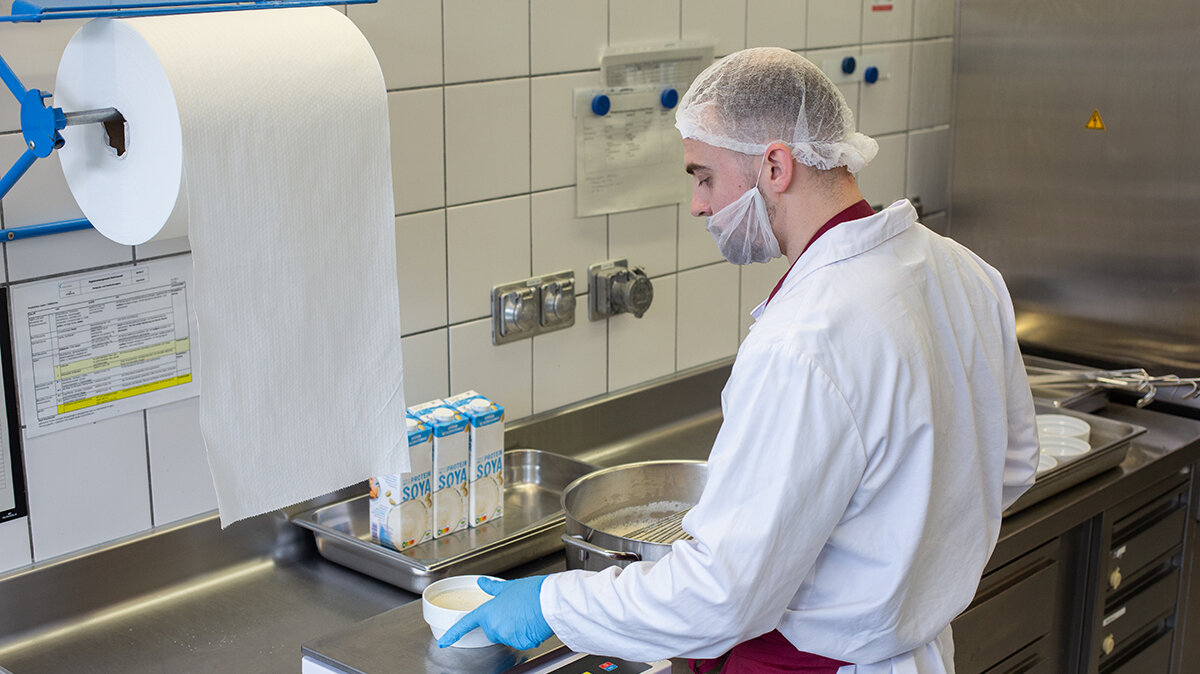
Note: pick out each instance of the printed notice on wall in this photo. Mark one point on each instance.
(675, 64)
(102, 344)
(631, 156)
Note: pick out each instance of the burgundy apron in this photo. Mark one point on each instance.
(772, 653)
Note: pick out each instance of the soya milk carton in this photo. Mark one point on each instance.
(401, 508)
(486, 463)
(450, 456)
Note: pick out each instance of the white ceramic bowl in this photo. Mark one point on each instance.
(455, 595)
(1061, 424)
(1062, 447)
(1045, 463)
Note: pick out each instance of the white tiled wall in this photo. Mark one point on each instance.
(180, 482)
(483, 153)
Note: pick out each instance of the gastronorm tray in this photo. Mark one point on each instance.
(532, 526)
(1082, 398)
(1110, 441)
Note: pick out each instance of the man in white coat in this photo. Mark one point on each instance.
(876, 423)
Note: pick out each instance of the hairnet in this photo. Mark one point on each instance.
(752, 98)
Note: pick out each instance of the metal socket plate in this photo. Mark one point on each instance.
(531, 288)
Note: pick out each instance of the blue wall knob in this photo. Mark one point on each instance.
(849, 64)
(669, 98)
(871, 75)
(601, 104)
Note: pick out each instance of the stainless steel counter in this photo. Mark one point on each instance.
(191, 597)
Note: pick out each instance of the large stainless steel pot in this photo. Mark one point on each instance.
(603, 507)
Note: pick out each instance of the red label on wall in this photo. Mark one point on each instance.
(883, 7)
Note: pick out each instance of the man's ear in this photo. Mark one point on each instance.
(782, 167)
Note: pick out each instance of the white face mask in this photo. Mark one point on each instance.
(742, 229)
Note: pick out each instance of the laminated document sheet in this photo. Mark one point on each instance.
(631, 157)
(97, 345)
(673, 63)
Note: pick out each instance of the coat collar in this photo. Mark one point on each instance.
(846, 241)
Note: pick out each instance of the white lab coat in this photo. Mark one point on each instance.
(877, 421)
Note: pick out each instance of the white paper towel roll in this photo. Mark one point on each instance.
(264, 136)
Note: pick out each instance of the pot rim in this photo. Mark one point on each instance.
(624, 466)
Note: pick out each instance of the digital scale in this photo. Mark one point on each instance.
(560, 660)
(564, 661)
(400, 641)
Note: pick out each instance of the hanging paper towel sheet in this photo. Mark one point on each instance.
(264, 136)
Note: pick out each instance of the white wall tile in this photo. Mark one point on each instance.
(708, 309)
(87, 485)
(33, 52)
(776, 23)
(502, 373)
(407, 38)
(426, 366)
(180, 480)
(721, 20)
(562, 241)
(571, 364)
(486, 39)
(886, 21)
(929, 168)
(645, 22)
(488, 244)
(938, 222)
(418, 173)
(641, 349)
(567, 34)
(647, 238)
(830, 61)
(14, 544)
(833, 22)
(883, 106)
(933, 18)
(552, 118)
(758, 280)
(172, 246)
(421, 270)
(696, 245)
(487, 140)
(932, 83)
(40, 197)
(882, 181)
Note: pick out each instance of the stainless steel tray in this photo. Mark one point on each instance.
(1082, 398)
(1110, 442)
(531, 527)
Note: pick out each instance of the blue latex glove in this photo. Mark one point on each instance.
(513, 615)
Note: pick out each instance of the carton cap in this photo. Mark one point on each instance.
(481, 404)
(443, 413)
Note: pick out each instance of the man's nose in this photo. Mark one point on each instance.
(699, 207)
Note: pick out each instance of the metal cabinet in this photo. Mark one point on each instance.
(1019, 620)
(1137, 582)
(1186, 651)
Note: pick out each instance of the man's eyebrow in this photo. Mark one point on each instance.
(692, 168)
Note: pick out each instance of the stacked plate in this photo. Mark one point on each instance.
(1062, 438)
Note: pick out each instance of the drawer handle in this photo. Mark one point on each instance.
(1114, 578)
(1109, 643)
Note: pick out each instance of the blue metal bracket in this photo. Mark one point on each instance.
(39, 10)
(40, 125)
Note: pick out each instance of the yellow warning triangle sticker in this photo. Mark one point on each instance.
(1094, 122)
